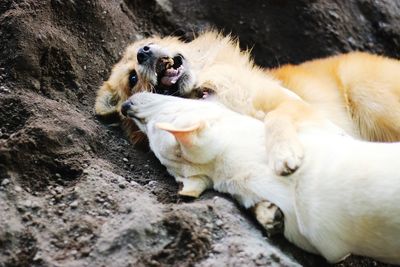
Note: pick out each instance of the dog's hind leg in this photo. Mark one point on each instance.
(270, 217)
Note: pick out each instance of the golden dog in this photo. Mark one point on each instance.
(357, 91)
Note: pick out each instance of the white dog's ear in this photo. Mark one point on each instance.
(183, 135)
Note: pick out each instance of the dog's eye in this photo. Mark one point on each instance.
(133, 78)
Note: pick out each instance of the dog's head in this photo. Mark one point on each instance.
(199, 139)
(178, 129)
(153, 64)
(166, 66)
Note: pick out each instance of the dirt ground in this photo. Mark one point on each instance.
(74, 192)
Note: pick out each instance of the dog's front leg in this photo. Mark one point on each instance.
(285, 113)
(194, 186)
(285, 152)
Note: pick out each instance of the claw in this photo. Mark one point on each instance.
(286, 158)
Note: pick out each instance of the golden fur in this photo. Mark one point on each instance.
(359, 92)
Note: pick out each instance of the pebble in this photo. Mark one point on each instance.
(74, 204)
(4, 89)
(261, 260)
(154, 263)
(85, 251)
(152, 183)
(38, 256)
(125, 159)
(334, 14)
(59, 189)
(122, 183)
(27, 203)
(5, 182)
(104, 213)
(27, 217)
(18, 188)
(352, 41)
(218, 248)
(92, 213)
(215, 199)
(59, 212)
(205, 231)
(133, 183)
(219, 222)
(34, 204)
(209, 225)
(99, 199)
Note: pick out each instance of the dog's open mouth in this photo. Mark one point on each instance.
(169, 70)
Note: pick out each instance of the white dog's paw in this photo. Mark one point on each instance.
(194, 186)
(285, 156)
(270, 217)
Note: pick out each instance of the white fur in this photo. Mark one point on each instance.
(345, 197)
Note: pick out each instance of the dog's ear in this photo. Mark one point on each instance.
(106, 104)
(185, 135)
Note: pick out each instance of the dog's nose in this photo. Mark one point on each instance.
(143, 54)
(125, 107)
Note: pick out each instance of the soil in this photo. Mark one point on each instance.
(74, 192)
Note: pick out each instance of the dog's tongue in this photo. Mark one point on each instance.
(171, 76)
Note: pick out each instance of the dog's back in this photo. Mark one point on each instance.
(348, 195)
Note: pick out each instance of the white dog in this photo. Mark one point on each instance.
(344, 199)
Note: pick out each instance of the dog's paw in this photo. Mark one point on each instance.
(190, 193)
(270, 217)
(193, 186)
(285, 156)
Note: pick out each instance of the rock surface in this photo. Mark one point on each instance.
(74, 192)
